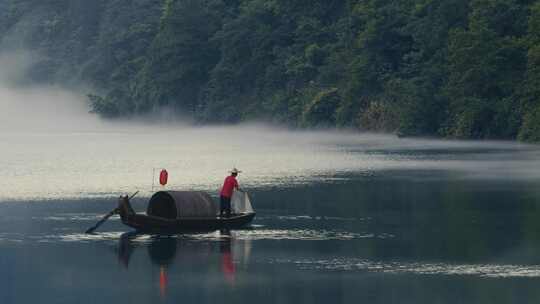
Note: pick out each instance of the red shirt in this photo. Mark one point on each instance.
(228, 186)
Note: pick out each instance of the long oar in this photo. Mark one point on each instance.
(106, 217)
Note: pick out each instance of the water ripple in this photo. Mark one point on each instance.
(293, 234)
(73, 217)
(419, 268)
(79, 237)
(242, 235)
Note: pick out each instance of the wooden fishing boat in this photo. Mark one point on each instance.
(179, 211)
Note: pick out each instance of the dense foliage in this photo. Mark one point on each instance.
(453, 68)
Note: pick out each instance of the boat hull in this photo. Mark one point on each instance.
(153, 224)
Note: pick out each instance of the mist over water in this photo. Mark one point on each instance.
(104, 162)
(52, 148)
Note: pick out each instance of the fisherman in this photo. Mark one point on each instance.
(229, 185)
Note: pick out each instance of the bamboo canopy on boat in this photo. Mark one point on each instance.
(181, 205)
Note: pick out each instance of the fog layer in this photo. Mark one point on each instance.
(51, 148)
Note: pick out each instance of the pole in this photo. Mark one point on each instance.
(106, 217)
(153, 177)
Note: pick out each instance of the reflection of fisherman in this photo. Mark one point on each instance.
(229, 185)
(227, 264)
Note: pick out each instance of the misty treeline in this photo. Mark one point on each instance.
(452, 68)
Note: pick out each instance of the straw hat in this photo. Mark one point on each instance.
(234, 170)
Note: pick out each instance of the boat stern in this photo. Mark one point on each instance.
(124, 208)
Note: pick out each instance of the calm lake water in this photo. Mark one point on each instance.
(341, 218)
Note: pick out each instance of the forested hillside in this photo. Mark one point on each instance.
(452, 68)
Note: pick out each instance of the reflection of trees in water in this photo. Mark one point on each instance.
(187, 253)
(431, 214)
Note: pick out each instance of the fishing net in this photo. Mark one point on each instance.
(240, 203)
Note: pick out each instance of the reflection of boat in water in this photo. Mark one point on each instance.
(185, 254)
(188, 250)
(178, 211)
(161, 251)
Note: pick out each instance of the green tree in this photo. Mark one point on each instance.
(530, 94)
(180, 57)
(486, 65)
